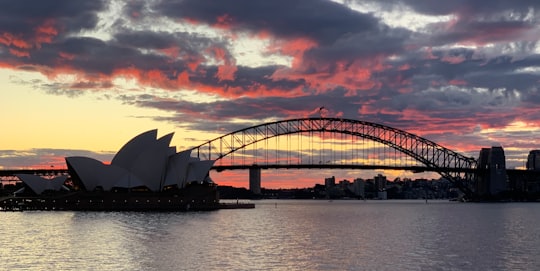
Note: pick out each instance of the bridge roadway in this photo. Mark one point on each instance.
(415, 169)
(340, 166)
(12, 172)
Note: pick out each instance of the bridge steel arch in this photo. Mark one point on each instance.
(451, 165)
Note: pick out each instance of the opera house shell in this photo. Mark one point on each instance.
(39, 184)
(145, 170)
(144, 162)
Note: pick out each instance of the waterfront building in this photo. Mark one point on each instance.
(344, 184)
(145, 162)
(383, 195)
(380, 182)
(359, 187)
(145, 174)
(533, 160)
(40, 184)
(482, 183)
(330, 182)
(492, 177)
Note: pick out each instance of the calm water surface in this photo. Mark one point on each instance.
(280, 235)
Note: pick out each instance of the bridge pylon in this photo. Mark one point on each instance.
(255, 180)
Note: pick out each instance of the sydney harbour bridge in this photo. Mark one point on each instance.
(331, 143)
(336, 143)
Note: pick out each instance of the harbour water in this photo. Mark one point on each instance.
(280, 235)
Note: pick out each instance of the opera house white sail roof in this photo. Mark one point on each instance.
(144, 161)
(39, 184)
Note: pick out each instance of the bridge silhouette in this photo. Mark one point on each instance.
(338, 143)
(330, 143)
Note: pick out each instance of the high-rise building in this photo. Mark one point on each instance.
(533, 160)
(255, 180)
(330, 182)
(492, 178)
(380, 182)
(497, 170)
(482, 184)
(359, 187)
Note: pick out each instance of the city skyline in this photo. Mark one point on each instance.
(83, 78)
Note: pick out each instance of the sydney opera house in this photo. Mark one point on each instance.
(145, 174)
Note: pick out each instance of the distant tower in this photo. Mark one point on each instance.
(359, 187)
(533, 160)
(255, 180)
(482, 184)
(498, 178)
(344, 185)
(330, 182)
(380, 182)
(492, 165)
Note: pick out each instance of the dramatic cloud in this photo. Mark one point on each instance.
(453, 71)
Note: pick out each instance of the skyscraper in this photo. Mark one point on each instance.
(492, 178)
(380, 182)
(533, 160)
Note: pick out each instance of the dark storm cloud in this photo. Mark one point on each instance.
(22, 16)
(190, 43)
(140, 50)
(93, 55)
(135, 9)
(467, 68)
(345, 34)
(479, 22)
(341, 33)
(246, 78)
(380, 41)
(213, 115)
(322, 21)
(475, 32)
(467, 6)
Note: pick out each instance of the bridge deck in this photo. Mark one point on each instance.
(12, 172)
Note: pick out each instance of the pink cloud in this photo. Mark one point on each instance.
(45, 32)
(457, 82)
(453, 59)
(19, 53)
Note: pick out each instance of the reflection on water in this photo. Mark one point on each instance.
(280, 235)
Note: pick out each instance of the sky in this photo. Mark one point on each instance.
(84, 77)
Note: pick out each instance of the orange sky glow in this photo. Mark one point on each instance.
(83, 79)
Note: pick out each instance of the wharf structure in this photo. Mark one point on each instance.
(146, 174)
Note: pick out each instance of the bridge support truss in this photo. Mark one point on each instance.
(451, 165)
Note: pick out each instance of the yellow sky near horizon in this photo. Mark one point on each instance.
(32, 118)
